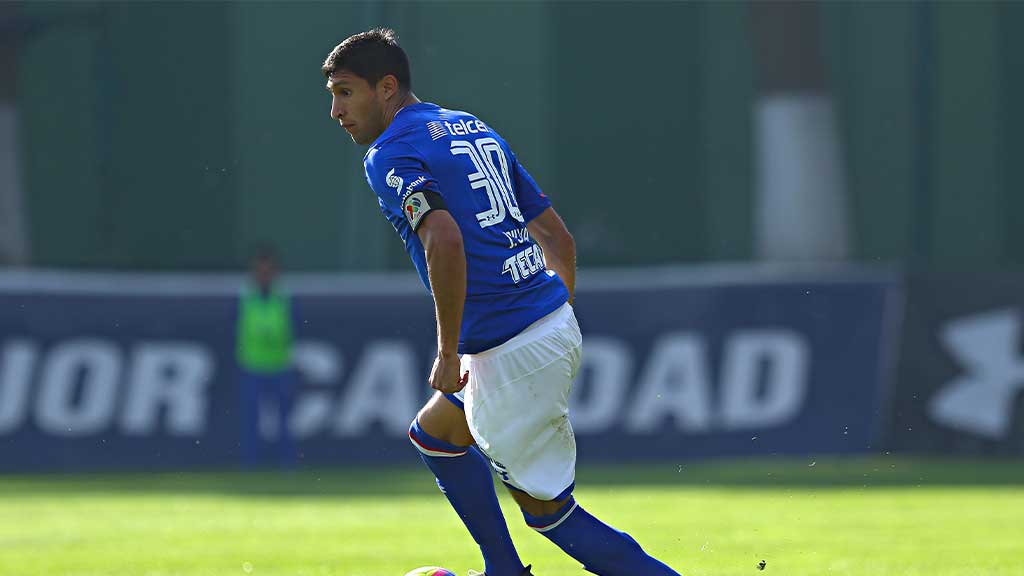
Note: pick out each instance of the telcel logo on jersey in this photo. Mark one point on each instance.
(462, 128)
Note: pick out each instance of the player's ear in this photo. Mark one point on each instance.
(388, 86)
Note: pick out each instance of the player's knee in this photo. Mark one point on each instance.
(441, 422)
(416, 434)
(536, 508)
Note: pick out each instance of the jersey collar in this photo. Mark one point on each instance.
(401, 120)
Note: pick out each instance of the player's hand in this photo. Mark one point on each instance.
(445, 377)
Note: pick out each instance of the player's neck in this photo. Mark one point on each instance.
(408, 100)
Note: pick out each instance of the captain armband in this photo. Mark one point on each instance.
(416, 205)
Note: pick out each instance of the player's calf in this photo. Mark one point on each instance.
(601, 549)
(464, 476)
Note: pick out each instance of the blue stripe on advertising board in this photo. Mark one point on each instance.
(148, 381)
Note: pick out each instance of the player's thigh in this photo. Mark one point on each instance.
(518, 411)
(535, 507)
(442, 419)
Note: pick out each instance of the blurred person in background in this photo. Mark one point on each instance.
(264, 340)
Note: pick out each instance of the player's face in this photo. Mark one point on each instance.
(357, 106)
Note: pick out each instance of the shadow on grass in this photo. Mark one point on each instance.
(809, 473)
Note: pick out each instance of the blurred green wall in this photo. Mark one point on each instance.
(932, 133)
(127, 138)
(171, 135)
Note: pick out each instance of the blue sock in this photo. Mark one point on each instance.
(464, 475)
(601, 549)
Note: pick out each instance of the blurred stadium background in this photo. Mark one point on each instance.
(801, 263)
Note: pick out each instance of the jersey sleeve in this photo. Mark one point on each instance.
(398, 175)
(528, 195)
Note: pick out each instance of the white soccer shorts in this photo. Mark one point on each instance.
(517, 405)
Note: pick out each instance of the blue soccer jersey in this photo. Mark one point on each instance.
(431, 158)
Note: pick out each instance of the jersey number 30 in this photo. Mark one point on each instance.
(492, 177)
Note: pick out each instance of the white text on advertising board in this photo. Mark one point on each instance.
(90, 386)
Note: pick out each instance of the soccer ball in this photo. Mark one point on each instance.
(431, 571)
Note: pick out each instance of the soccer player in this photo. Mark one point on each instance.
(501, 268)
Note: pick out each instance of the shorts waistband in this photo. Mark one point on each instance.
(557, 316)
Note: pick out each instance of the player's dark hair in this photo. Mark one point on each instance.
(371, 55)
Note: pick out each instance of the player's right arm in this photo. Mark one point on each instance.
(446, 269)
(405, 186)
(548, 230)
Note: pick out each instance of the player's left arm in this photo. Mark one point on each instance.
(546, 227)
(446, 269)
(558, 245)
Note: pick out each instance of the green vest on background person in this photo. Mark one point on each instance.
(264, 340)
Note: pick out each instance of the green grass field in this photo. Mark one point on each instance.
(876, 517)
